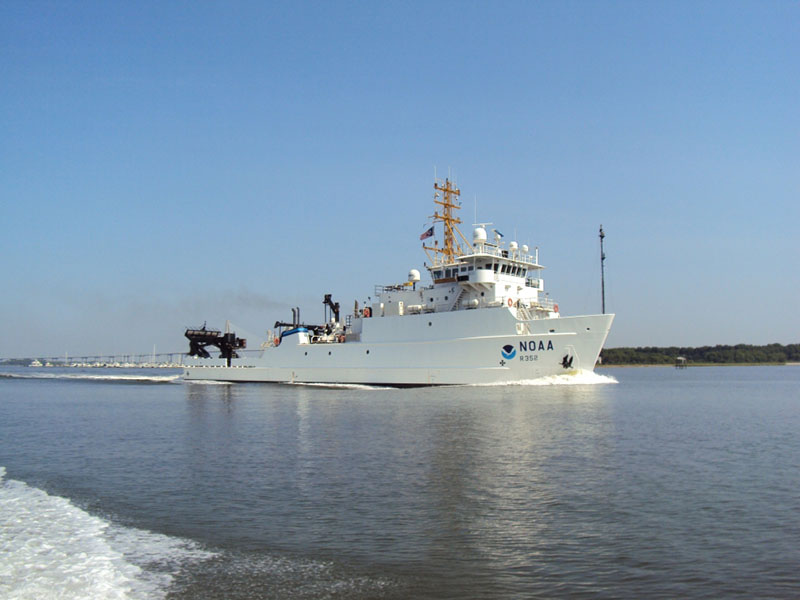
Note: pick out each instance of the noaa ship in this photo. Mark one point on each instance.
(484, 319)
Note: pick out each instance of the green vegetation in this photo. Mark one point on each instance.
(738, 354)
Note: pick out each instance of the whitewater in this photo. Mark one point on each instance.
(52, 549)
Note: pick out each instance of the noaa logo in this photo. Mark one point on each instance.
(508, 352)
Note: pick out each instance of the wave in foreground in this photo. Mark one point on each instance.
(51, 548)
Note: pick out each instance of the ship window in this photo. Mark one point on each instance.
(463, 269)
(495, 267)
(472, 268)
(504, 269)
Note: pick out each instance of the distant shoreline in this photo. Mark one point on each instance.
(740, 355)
(704, 364)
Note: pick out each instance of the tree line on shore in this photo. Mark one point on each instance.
(740, 354)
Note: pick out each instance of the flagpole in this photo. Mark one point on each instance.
(602, 272)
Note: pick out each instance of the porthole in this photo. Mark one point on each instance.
(329, 352)
(552, 331)
(367, 351)
(306, 353)
(429, 324)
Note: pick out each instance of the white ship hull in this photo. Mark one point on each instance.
(484, 319)
(439, 348)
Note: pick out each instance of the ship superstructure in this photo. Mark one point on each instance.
(484, 318)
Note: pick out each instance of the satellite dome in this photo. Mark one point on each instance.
(513, 245)
(413, 275)
(525, 248)
(479, 235)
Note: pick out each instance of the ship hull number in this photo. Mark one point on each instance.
(532, 346)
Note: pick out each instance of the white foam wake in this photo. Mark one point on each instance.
(52, 549)
(343, 386)
(204, 382)
(579, 378)
(95, 377)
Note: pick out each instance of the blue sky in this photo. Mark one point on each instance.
(164, 164)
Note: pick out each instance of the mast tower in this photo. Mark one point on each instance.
(449, 202)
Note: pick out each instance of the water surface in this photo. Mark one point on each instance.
(655, 482)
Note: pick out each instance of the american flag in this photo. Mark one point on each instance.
(427, 234)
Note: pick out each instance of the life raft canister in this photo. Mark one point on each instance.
(367, 313)
(555, 308)
(277, 341)
(510, 303)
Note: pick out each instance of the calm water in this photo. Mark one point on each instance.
(656, 483)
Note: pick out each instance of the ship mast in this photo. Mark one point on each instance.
(449, 202)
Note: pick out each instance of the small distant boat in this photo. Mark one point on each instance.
(35, 363)
(484, 318)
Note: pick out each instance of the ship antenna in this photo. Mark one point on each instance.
(602, 272)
